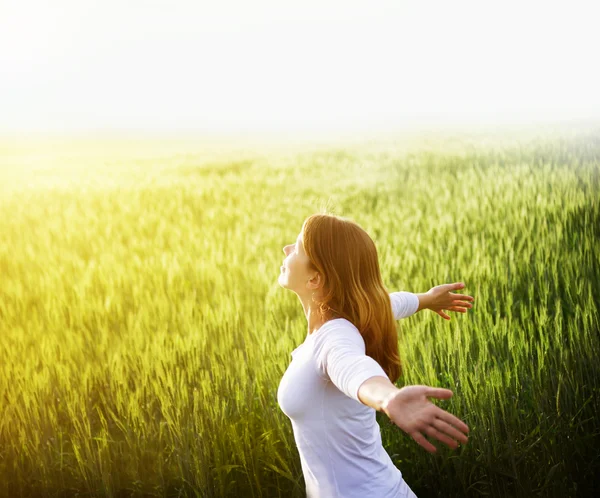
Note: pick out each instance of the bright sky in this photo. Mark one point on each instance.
(308, 64)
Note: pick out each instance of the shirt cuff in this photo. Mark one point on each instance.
(404, 304)
(364, 369)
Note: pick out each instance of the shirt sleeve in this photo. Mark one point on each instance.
(404, 304)
(341, 358)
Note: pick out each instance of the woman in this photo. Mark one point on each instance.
(344, 370)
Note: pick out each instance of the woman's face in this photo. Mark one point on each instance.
(295, 271)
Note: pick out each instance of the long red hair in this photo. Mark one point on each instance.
(346, 257)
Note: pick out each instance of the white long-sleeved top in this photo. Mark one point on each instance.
(338, 438)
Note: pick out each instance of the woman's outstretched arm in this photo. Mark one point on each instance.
(436, 299)
(341, 358)
(410, 410)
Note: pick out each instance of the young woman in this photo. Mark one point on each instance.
(345, 368)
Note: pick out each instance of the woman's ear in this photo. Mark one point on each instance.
(317, 280)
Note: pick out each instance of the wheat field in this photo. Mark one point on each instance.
(143, 333)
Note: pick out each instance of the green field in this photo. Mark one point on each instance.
(143, 333)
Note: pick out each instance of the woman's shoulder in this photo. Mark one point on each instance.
(336, 324)
(338, 329)
(336, 340)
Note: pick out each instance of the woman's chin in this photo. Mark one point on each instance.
(283, 281)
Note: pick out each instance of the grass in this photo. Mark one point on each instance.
(143, 333)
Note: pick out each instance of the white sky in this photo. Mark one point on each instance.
(257, 64)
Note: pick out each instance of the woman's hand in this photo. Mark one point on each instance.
(410, 410)
(440, 298)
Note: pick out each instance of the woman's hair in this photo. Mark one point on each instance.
(346, 257)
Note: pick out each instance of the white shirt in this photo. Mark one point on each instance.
(338, 438)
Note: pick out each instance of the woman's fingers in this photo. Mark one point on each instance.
(440, 436)
(458, 309)
(452, 420)
(420, 439)
(462, 303)
(439, 392)
(463, 297)
(451, 431)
